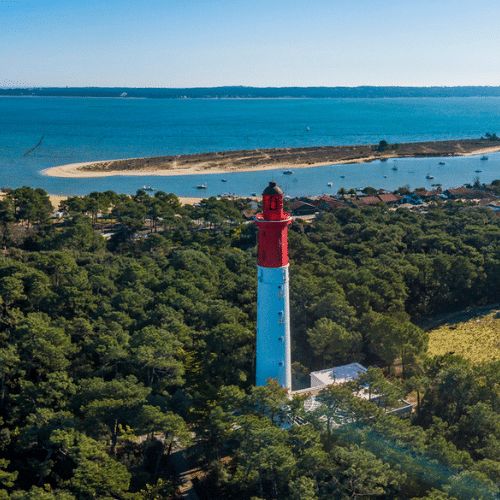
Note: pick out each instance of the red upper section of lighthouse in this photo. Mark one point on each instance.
(273, 225)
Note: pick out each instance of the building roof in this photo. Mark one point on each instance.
(388, 197)
(371, 200)
(298, 204)
(358, 203)
(463, 192)
(429, 194)
(332, 202)
(339, 374)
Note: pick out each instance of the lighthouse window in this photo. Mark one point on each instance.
(273, 203)
(264, 255)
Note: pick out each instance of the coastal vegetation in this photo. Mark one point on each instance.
(127, 332)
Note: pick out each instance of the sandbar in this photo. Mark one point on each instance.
(270, 159)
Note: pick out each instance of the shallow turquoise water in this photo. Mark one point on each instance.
(86, 129)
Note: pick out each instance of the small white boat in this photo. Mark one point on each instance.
(307, 129)
(342, 176)
(429, 176)
(224, 180)
(442, 163)
(330, 184)
(201, 186)
(253, 194)
(148, 188)
(288, 172)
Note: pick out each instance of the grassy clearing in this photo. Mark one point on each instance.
(473, 334)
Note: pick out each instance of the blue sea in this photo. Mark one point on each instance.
(88, 129)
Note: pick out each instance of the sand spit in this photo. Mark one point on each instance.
(269, 159)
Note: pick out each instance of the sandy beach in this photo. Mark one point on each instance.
(75, 170)
(269, 159)
(56, 199)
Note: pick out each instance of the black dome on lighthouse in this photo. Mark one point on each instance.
(272, 189)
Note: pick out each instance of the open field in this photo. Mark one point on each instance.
(473, 334)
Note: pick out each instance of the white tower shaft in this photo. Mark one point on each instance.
(273, 326)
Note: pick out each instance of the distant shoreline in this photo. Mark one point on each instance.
(270, 159)
(245, 92)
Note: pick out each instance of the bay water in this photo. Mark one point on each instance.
(90, 129)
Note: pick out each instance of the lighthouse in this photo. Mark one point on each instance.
(273, 308)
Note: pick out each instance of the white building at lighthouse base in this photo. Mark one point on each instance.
(273, 326)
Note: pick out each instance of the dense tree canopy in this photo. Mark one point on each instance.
(114, 350)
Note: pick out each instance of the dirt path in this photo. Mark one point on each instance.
(183, 472)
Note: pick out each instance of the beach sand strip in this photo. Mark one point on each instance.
(270, 159)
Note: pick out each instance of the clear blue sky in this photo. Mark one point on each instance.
(195, 43)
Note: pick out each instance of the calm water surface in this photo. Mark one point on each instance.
(87, 129)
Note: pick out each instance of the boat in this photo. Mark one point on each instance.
(429, 176)
(330, 184)
(148, 188)
(224, 180)
(288, 172)
(342, 176)
(201, 186)
(477, 171)
(385, 176)
(394, 168)
(307, 129)
(484, 157)
(253, 194)
(442, 163)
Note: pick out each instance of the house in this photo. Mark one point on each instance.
(327, 203)
(340, 375)
(337, 375)
(302, 208)
(365, 201)
(390, 198)
(371, 200)
(358, 202)
(466, 193)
